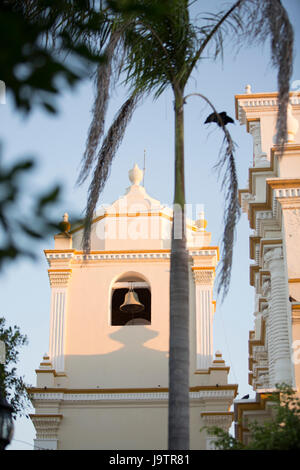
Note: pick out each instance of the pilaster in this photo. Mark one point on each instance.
(259, 157)
(59, 280)
(204, 278)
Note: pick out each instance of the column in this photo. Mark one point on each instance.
(278, 327)
(204, 316)
(260, 157)
(59, 279)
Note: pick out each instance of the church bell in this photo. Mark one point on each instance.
(131, 303)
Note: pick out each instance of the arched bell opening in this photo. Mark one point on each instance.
(131, 301)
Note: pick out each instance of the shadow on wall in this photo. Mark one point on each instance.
(133, 365)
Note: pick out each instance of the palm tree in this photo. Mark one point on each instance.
(157, 46)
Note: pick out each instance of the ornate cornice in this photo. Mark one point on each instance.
(217, 418)
(254, 269)
(46, 425)
(203, 275)
(259, 102)
(156, 394)
(284, 184)
(125, 255)
(59, 277)
(284, 190)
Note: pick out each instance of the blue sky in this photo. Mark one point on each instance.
(57, 143)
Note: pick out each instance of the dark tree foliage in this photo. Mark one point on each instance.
(32, 69)
(12, 386)
(18, 227)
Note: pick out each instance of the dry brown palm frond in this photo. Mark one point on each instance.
(232, 211)
(282, 56)
(106, 154)
(96, 130)
(269, 19)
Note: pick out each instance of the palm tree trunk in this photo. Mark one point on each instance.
(179, 301)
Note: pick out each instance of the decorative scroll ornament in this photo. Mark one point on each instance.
(273, 254)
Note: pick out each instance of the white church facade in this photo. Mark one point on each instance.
(104, 382)
(272, 202)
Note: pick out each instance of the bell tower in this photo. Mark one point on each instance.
(104, 383)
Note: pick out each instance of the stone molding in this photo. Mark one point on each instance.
(287, 193)
(53, 255)
(46, 426)
(70, 398)
(59, 277)
(220, 419)
(263, 102)
(204, 276)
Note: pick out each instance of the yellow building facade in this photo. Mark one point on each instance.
(104, 382)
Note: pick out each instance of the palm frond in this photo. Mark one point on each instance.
(232, 211)
(265, 19)
(105, 157)
(211, 29)
(282, 56)
(96, 130)
(159, 49)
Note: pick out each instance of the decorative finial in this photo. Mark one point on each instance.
(248, 89)
(136, 175)
(201, 223)
(65, 224)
